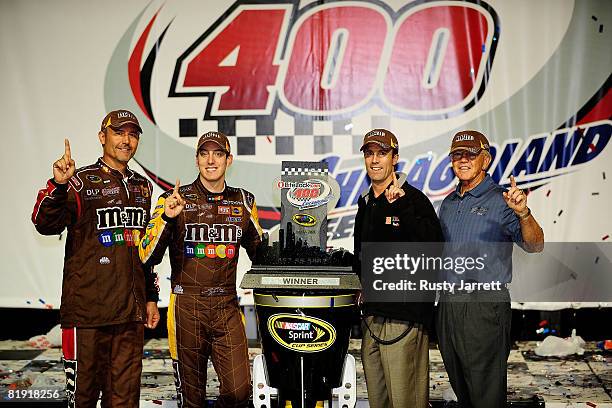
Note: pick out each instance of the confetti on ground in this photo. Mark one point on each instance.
(550, 381)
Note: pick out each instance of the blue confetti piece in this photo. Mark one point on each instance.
(42, 301)
(484, 48)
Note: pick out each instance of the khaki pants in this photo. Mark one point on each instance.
(397, 375)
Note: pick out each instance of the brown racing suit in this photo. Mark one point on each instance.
(204, 318)
(105, 287)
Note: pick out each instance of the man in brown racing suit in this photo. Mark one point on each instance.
(204, 224)
(107, 294)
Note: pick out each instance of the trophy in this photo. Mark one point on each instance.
(305, 298)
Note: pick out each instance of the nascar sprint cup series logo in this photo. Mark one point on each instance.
(305, 334)
(289, 80)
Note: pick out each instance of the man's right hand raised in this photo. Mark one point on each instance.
(64, 168)
(175, 203)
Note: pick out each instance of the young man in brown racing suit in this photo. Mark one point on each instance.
(107, 294)
(204, 224)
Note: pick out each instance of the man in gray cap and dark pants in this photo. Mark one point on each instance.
(473, 326)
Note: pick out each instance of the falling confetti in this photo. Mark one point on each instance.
(42, 301)
(605, 237)
(560, 212)
(594, 193)
(601, 28)
(547, 193)
(269, 139)
(596, 259)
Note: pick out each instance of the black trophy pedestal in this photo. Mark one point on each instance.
(304, 316)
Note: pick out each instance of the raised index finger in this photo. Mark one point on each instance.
(176, 187)
(512, 181)
(67, 149)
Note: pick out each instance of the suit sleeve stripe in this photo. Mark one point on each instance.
(255, 220)
(253, 213)
(153, 232)
(42, 194)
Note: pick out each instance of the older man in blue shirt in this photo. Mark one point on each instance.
(474, 326)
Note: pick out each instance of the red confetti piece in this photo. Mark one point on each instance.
(605, 237)
(590, 404)
(269, 139)
(548, 193)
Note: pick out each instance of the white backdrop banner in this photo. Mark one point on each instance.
(303, 80)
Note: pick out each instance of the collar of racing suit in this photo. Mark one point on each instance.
(108, 169)
(200, 187)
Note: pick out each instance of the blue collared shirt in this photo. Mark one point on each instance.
(482, 215)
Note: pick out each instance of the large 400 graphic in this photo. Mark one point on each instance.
(425, 61)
